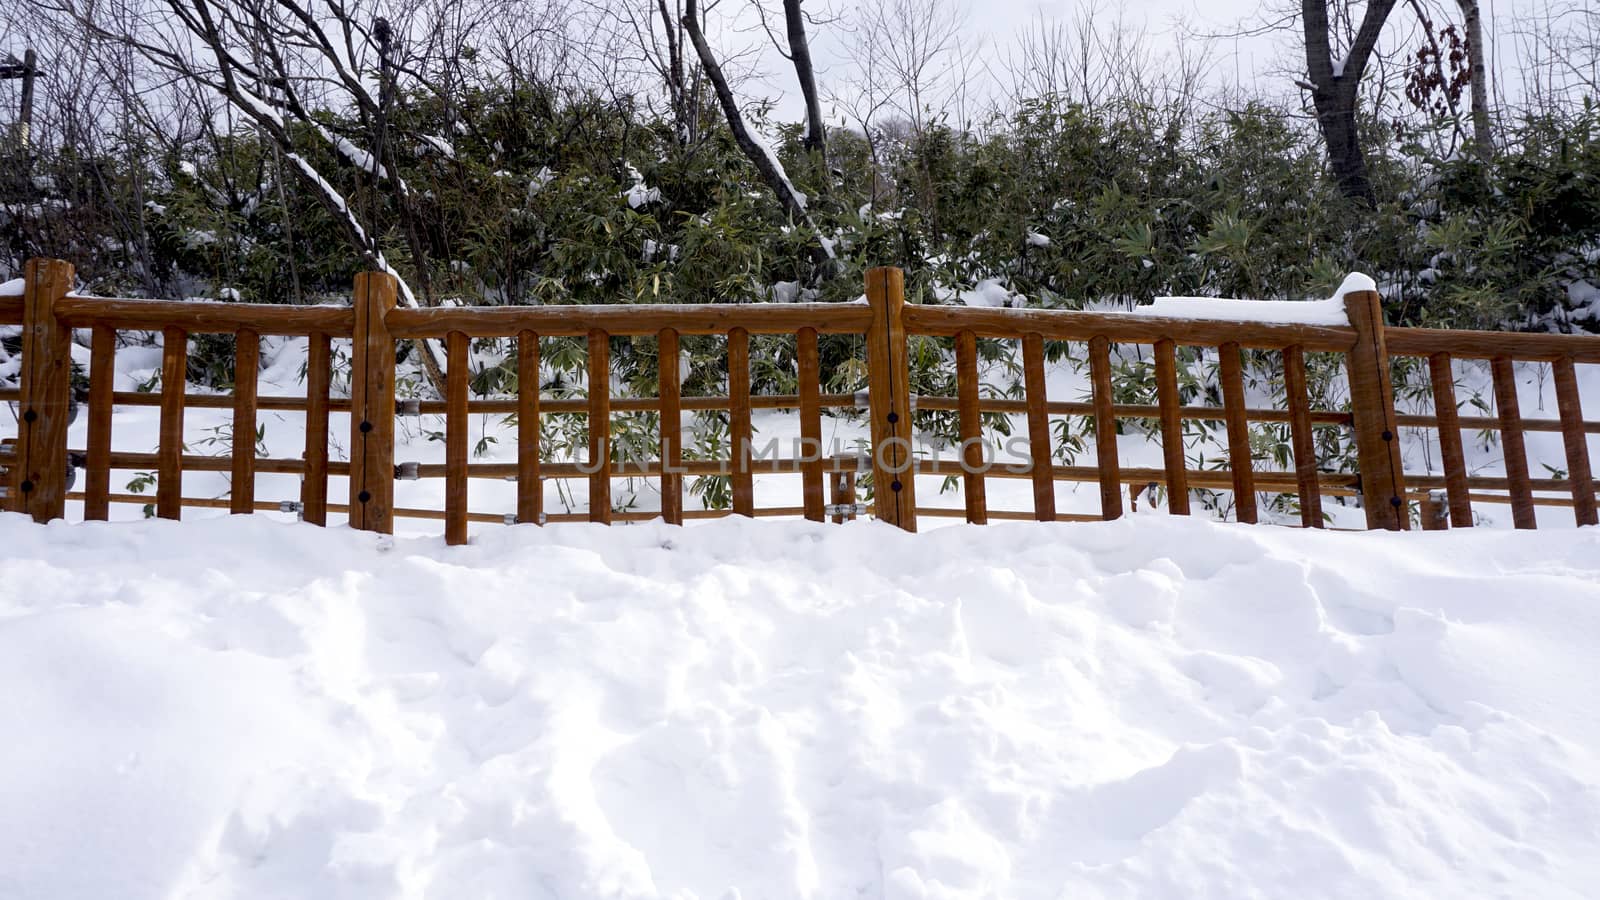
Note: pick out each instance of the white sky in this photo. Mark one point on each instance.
(1241, 57)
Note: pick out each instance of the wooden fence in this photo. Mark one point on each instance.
(38, 461)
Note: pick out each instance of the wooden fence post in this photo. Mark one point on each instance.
(169, 452)
(372, 405)
(40, 480)
(1372, 409)
(458, 377)
(889, 391)
(246, 376)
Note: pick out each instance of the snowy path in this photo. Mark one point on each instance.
(1150, 708)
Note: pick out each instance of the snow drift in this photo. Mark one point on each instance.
(1147, 708)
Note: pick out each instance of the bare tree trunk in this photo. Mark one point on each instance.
(793, 201)
(800, 51)
(765, 160)
(387, 158)
(678, 89)
(1334, 90)
(1477, 55)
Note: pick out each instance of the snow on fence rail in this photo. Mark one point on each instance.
(38, 463)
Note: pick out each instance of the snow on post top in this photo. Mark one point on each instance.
(13, 288)
(1354, 282)
(1281, 312)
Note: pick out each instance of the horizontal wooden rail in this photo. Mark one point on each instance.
(643, 468)
(123, 460)
(580, 406)
(1508, 500)
(1490, 423)
(223, 401)
(1213, 479)
(491, 405)
(831, 401)
(1521, 346)
(205, 318)
(438, 515)
(1011, 515)
(576, 321)
(1123, 328)
(1127, 411)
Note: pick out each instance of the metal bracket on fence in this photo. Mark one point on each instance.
(914, 399)
(863, 461)
(290, 506)
(408, 407)
(862, 399)
(844, 509)
(407, 471)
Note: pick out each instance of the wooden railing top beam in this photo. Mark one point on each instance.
(1520, 346)
(203, 317)
(573, 321)
(1063, 325)
(828, 318)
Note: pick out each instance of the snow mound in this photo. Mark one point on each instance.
(1291, 312)
(1153, 707)
(16, 287)
(991, 292)
(1283, 312)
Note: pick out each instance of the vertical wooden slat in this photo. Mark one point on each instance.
(246, 365)
(811, 465)
(97, 464)
(1233, 408)
(1451, 451)
(530, 486)
(1516, 453)
(372, 405)
(1377, 429)
(889, 393)
(599, 427)
(973, 487)
(1576, 440)
(1166, 356)
(1301, 435)
(169, 454)
(739, 421)
(457, 375)
(314, 484)
(1105, 429)
(39, 484)
(1044, 483)
(670, 390)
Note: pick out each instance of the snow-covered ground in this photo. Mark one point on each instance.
(1154, 707)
